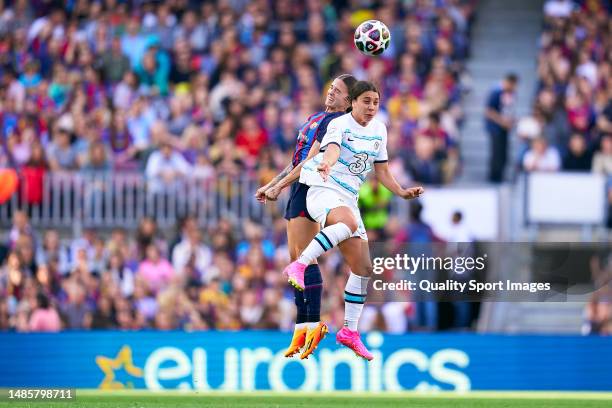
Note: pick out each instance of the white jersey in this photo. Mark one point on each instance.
(360, 148)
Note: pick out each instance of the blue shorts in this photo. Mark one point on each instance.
(296, 206)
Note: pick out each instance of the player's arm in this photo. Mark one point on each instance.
(331, 142)
(330, 157)
(274, 191)
(260, 194)
(384, 176)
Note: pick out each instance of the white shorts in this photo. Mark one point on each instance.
(321, 200)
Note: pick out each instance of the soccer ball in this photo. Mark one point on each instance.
(372, 37)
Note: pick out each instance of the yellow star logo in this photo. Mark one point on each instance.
(109, 365)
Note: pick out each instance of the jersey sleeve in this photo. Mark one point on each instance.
(332, 135)
(322, 129)
(382, 156)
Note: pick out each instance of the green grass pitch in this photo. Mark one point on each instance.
(172, 399)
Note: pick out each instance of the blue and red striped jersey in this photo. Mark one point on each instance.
(313, 129)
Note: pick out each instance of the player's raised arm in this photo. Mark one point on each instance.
(273, 191)
(260, 194)
(384, 176)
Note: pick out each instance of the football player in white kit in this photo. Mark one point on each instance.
(355, 143)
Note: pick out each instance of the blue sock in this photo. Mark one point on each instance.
(302, 314)
(312, 293)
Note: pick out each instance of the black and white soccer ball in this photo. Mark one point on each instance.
(372, 37)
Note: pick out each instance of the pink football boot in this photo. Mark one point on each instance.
(352, 340)
(295, 274)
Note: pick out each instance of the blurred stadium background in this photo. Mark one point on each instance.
(135, 133)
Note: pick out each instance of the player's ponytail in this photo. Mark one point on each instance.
(350, 82)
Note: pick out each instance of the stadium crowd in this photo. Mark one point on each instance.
(570, 128)
(193, 280)
(206, 89)
(571, 125)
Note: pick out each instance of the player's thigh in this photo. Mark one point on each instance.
(327, 207)
(342, 214)
(356, 253)
(300, 231)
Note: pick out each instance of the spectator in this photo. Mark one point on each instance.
(251, 310)
(61, 153)
(155, 270)
(114, 63)
(97, 158)
(552, 117)
(460, 243)
(154, 69)
(499, 116)
(144, 300)
(579, 155)
(21, 228)
(193, 30)
(121, 142)
(374, 202)
(147, 234)
(421, 236)
(604, 121)
(103, 316)
(541, 157)
(251, 138)
(77, 312)
(126, 91)
(141, 120)
(191, 251)
(19, 146)
(421, 164)
(527, 129)
(602, 164)
(602, 161)
(33, 173)
(121, 275)
(52, 250)
(164, 167)
(133, 43)
(446, 153)
(44, 318)
(598, 315)
(31, 77)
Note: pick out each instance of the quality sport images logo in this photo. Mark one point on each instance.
(262, 368)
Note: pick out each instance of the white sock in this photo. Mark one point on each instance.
(312, 325)
(299, 326)
(325, 240)
(355, 293)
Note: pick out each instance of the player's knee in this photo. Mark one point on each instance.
(364, 269)
(368, 269)
(351, 223)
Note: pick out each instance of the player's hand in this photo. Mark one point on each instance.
(324, 169)
(410, 193)
(272, 193)
(260, 194)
